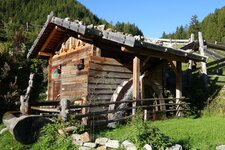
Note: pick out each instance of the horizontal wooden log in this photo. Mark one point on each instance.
(215, 46)
(102, 86)
(100, 92)
(73, 98)
(78, 79)
(97, 104)
(72, 56)
(97, 73)
(75, 86)
(77, 92)
(109, 68)
(104, 61)
(99, 97)
(103, 80)
(51, 110)
(89, 114)
(79, 87)
(74, 72)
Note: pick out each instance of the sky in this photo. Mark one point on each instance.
(152, 16)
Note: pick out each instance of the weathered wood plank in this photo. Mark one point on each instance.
(105, 80)
(178, 86)
(105, 61)
(80, 93)
(97, 73)
(80, 78)
(101, 86)
(75, 85)
(50, 79)
(101, 91)
(109, 68)
(202, 53)
(75, 89)
(49, 38)
(72, 56)
(136, 75)
(99, 98)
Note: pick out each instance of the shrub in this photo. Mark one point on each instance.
(50, 138)
(143, 133)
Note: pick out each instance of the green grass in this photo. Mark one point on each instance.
(8, 143)
(203, 133)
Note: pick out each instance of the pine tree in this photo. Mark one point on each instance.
(195, 25)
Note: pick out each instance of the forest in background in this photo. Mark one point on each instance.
(212, 27)
(21, 21)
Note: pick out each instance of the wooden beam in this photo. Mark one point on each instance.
(163, 52)
(50, 84)
(49, 38)
(202, 53)
(178, 87)
(215, 46)
(189, 65)
(136, 75)
(45, 54)
(152, 53)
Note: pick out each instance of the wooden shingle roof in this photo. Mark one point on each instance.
(56, 30)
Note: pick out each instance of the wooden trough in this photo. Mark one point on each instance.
(25, 129)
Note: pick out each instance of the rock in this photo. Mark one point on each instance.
(101, 141)
(79, 143)
(128, 145)
(112, 144)
(148, 147)
(175, 147)
(76, 137)
(84, 148)
(85, 137)
(101, 148)
(221, 147)
(90, 144)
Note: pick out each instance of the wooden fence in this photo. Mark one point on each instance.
(149, 108)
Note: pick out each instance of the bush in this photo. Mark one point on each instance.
(143, 133)
(51, 139)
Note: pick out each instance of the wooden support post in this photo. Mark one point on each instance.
(189, 66)
(50, 84)
(64, 104)
(145, 114)
(204, 69)
(84, 111)
(178, 86)
(136, 75)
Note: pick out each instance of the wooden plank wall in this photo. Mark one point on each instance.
(73, 81)
(104, 76)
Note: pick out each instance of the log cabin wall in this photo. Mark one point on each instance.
(67, 80)
(105, 75)
(96, 82)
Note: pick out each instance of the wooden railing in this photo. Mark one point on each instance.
(100, 116)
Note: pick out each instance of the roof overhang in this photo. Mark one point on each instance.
(56, 30)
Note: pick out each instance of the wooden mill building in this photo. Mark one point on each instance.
(88, 64)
